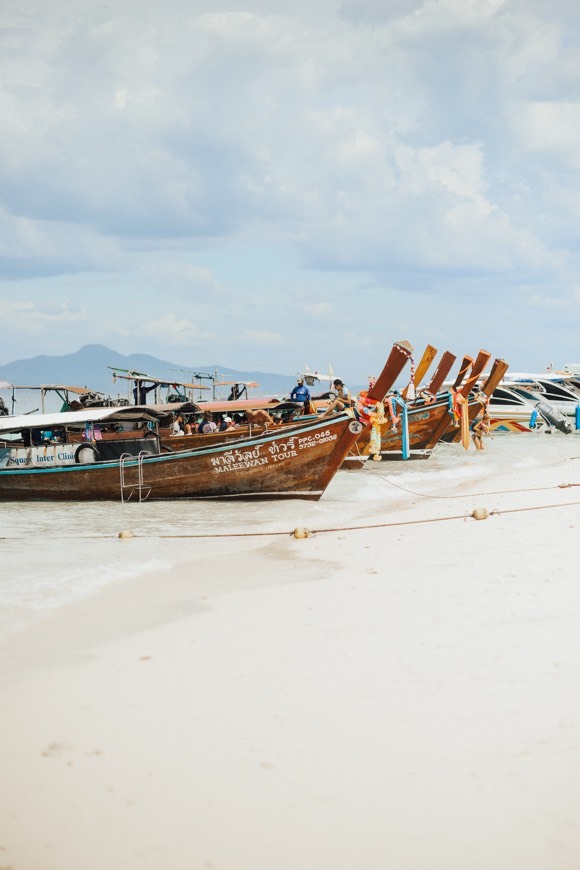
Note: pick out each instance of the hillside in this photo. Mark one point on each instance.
(88, 367)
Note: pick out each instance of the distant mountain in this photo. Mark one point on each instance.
(88, 367)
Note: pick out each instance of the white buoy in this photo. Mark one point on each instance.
(480, 513)
(126, 533)
(301, 532)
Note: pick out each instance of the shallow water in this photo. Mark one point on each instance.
(53, 553)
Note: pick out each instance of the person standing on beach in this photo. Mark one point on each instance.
(481, 428)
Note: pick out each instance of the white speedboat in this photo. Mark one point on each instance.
(515, 411)
(558, 389)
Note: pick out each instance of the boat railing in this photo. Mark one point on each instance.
(129, 488)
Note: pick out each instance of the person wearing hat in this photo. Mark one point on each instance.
(301, 393)
(341, 398)
(342, 392)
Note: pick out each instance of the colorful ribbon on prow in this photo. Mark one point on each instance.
(372, 413)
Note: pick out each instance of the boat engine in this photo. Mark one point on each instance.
(555, 417)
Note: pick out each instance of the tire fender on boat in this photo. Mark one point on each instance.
(86, 454)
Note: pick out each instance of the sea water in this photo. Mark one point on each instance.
(55, 553)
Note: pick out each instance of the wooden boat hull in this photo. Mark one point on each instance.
(423, 421)
(453, 431)
(427, 416)
(297, 463)
(197, 439)
(397, 456)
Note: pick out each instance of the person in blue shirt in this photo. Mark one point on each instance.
(301, 393)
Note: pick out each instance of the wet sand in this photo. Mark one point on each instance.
(403, 696)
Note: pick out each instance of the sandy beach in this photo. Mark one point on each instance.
(399, 695)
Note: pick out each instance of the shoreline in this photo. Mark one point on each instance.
(400, 696)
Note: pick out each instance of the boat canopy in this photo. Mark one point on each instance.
(163, 409)
(78, 391)
(130, 413)
(160, 382)
(543, 376)
(268, 403)
(252, 384)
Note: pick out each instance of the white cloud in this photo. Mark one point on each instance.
(120, 99)
(333, 144)
(24, 313)
(427, 144)
(550, 127)
(31, 247)
(189, 281)
(171, 329)
(320, 309)
(262, 337)
(545, 300)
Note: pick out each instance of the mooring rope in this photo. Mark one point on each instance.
(464, 516)
(311, 532)
(475, 494)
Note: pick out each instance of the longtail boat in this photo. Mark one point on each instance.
(299, 462)
(40, 460)
(407, 427)
(459, 395)
(471, 399)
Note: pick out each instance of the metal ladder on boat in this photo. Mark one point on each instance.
(129, 489)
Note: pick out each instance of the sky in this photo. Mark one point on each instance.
(268, 185)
